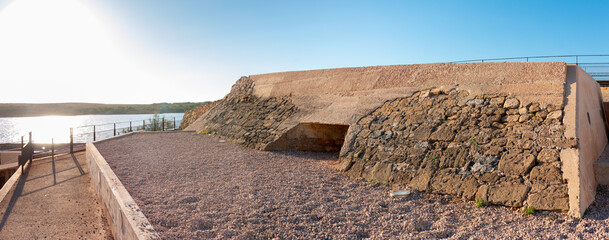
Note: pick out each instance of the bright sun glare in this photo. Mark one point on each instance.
(60, 47)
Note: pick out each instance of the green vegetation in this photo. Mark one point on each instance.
(473, 141)
(480, 203)
(529, 210)
(155, 123)
(68, 109)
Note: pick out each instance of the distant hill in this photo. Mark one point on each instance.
(68, 109)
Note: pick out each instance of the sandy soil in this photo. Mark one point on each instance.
(194, 186)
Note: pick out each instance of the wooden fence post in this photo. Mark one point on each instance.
(52, 148)
(114, 129)
(163, 124)
(94, 133)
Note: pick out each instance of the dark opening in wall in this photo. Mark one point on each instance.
(316, 137)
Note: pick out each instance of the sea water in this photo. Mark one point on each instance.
(58, 127)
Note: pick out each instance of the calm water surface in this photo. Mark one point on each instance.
(58, 127)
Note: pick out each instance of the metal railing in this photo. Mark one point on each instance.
(596, 65)
(96, 132)
(27, 152)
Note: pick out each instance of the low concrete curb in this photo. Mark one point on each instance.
(11, 183)
(126, 218)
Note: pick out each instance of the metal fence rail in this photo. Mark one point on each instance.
(100, 131)
(596, 65)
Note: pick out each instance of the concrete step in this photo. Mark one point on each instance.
(601, 168)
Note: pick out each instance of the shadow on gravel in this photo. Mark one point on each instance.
(321, 156)
(599, 210)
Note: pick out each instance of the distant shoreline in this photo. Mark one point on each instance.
(73, 109)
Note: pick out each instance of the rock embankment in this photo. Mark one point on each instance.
(191, 116)
(487, 147)
(246, 119)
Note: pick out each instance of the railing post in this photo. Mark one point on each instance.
(21, 143)
(32, 147)
(130, 127)
(144, 124)
(94, 133)
(174, 123)
(71, 140)
(114, 129)
(52, 148)
(577, 60)
(163, 124)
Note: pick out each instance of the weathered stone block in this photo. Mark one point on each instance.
(511, 195)
(446, 182)
(443, 133)
(548, 155)
(468, 188)
(553, 197)
(511, 103)
(420, 181)
(482, 193)
(356, 169)
(453, 157)
(345, 164)
(515, 163)
(422, 133)
(546, 173)
(381, 172)
(497, 101)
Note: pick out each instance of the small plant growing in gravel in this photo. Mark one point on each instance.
(529, 210)
(204, 131)
(473, 141)
(480, 203)
(433, 158)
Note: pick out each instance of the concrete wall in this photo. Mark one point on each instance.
(584, 119)
(126, 219)
(342, 95)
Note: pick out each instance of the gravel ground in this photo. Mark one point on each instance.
(195, 186)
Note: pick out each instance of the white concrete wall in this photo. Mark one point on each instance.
(126, 219)
(583, 120)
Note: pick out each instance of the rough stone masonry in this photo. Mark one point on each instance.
(512, 134)
(486, 147)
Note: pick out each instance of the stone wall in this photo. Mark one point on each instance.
(246, 119)
(502, 132)
(475, 146)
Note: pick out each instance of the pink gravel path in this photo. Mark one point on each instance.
(194, 186)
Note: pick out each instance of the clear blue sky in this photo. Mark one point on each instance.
(203, 47)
